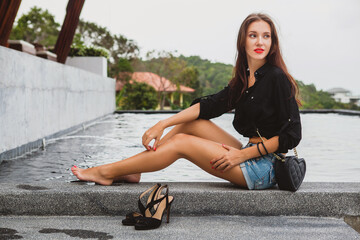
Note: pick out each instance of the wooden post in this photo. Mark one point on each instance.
(172, 98)
(63, 43)
(8, 11)
(181, 99)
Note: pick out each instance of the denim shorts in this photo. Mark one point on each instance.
(259, 172)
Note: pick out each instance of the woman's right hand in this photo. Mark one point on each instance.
(155, 132)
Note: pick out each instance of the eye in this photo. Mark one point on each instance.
(252, 35)
(267, 36)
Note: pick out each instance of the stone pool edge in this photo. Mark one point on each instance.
(317, 199)
(35, 145)
(304, 111)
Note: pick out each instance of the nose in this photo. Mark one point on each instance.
(259, 40)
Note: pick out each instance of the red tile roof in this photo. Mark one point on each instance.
(160, 84)
(119, 85)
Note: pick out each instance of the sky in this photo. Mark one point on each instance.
(319, 39)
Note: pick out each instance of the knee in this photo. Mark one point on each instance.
(180, 138)
(179, 142)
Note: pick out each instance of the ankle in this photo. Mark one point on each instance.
(104, 172)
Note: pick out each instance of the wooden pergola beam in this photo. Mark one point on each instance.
(8, 11)
(68, 28)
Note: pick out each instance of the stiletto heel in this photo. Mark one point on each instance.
(168, 213)
(132, 217)
(152, 221)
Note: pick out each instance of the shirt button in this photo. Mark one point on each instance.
(289, 120)
(256, 73)
(253, 98)
(247, 91)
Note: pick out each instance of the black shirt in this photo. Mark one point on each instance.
(267, 106)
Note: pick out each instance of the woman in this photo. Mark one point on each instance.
(263, 95)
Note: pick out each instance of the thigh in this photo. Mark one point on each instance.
(201, 151)
(204, 129)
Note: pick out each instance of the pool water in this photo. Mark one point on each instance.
(329, 146)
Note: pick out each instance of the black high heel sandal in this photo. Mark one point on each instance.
(153, 220)
(131, 218)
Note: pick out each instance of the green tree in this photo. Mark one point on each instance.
(139, 96)
(124, 65)
(164, 64)
(120, 47)
(314, 99)
(36, 26)
(124, 76)
(189, 77)
(125, 70)
(212, 76)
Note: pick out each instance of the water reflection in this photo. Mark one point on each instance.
(329, 146)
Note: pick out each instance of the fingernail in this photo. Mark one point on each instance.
(210, 162)
(154, 148)
(75, 166)
(212, 167)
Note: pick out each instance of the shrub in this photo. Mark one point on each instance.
(138, 96)
(88, 51)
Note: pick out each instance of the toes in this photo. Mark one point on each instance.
(74, 170)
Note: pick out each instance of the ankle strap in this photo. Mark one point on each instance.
(153, 203)
(154, 190)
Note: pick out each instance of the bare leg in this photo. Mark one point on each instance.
(204, 129)
(201, 128)
(197, 150)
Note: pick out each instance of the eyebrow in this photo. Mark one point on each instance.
(256, 32)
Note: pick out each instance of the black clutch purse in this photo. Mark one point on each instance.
(289, 171)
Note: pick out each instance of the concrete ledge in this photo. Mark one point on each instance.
(147, 111)
(338, 111)
(82, 199)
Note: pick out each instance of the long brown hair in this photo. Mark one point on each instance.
(239, 80)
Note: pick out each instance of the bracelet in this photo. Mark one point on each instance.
(262, 143)
(257, 145)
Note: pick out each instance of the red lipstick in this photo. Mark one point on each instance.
(259, 50)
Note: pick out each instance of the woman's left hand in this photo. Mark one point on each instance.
(230, 159)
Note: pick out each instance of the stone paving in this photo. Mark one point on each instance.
(180, 227)
(200, 211)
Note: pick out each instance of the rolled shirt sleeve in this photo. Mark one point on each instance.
(214, 105)
(288, 114)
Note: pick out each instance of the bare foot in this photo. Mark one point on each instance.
(91, 174)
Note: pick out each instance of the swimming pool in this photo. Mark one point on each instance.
(329, 145)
